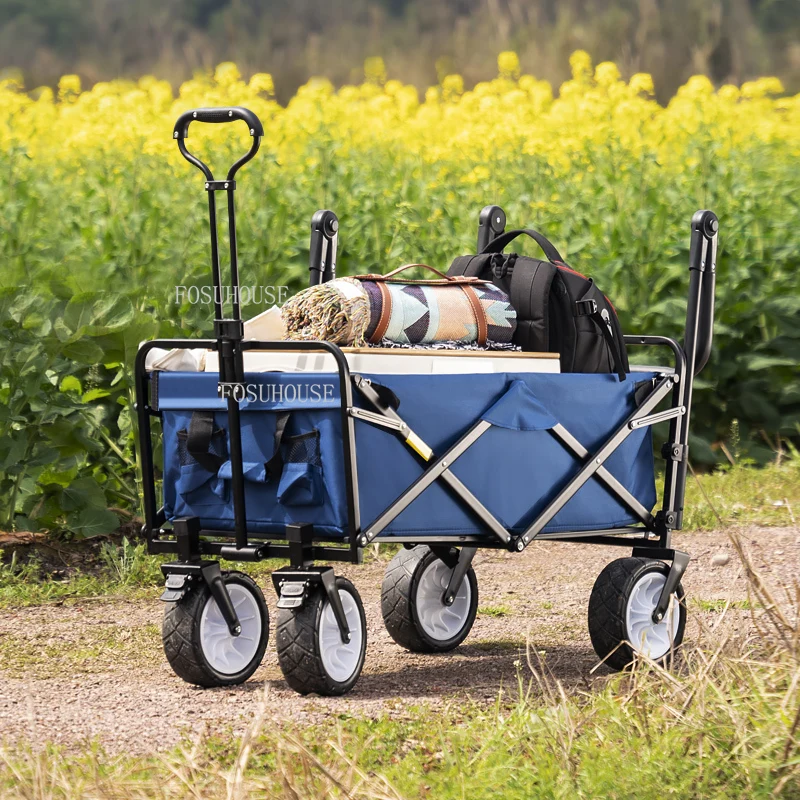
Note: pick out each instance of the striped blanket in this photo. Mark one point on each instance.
(350, 311)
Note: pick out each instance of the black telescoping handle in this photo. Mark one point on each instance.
(218, 115)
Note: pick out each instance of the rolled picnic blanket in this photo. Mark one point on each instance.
(371, 308)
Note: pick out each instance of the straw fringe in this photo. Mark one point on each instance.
(328, 312)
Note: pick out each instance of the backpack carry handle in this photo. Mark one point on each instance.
(501, 242)
(218, 115)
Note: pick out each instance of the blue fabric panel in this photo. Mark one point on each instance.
(513, 472)
(519, 410)
(267, 391)
(514, 469)
(316, 496)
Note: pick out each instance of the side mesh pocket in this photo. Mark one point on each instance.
(199, 482)
(301, 478)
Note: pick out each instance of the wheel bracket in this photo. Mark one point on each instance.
(462, 564)
(179, 577)
(680, 561)
(293, 587)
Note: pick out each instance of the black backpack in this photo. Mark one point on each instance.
(558, 310)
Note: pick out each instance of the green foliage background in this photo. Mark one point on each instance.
(91, 255)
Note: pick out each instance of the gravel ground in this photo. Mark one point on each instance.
(95, 669)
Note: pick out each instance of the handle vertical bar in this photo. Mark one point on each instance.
(234, 253)
(215, 270)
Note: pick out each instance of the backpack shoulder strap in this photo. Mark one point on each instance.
(531, 281)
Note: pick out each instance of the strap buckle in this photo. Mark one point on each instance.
(502, 265)
(589, 310)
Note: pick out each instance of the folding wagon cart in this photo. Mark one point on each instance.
(313, 467)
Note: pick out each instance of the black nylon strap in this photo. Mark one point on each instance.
(497, 245)
(198, 440)
(612, 343)
(468, 266)
(274, 467)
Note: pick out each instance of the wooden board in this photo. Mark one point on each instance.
(402, 351)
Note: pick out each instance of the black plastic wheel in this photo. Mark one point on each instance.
(196, 639)
(412, 606)
(623, 599)
(311, 653)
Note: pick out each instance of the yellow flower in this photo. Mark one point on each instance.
(508, 65)
(69, 87)
(606, 73)
(227, 74)
(642, 83)
(581, 64)
(452, 87)
(262, 83)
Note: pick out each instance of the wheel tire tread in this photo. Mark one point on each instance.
(296, 643)
(181, 640)
(607, 607)
(397, 602)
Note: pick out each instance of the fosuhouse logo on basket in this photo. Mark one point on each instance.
(246, 295)
(278, 393)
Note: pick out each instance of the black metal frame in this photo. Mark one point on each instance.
(300, 545)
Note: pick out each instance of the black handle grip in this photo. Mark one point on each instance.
(504, 239)
(217, 115)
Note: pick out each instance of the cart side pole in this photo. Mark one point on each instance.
(697, 342)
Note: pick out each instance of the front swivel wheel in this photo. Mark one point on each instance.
(311, 653)
(198, 644)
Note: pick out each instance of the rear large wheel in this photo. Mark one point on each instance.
(198, 644)
(621, 608)
(413, 607)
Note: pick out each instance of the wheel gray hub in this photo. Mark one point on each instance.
(225, 653)
(646, 637)
(439, 621)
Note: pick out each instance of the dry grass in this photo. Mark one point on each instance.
(724, 722)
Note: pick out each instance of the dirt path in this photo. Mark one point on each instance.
(96, 669)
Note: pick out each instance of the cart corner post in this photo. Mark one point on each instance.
(697, 341)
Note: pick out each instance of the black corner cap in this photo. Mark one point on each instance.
(217, 115)
(706, 222)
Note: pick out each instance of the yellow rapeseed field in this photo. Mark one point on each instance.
(513, 112)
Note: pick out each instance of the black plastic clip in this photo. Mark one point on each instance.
(590, 310)
(220, 186)
(229, 329)
(672, 451)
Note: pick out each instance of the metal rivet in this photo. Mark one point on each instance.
(598, 461)
(230, 113)
(194, 113)
(226, 185)
(206, 185)
(252, 132)
(498, 220)
(175, 135)
(363, 540)
(444, 463)
(520, 546)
